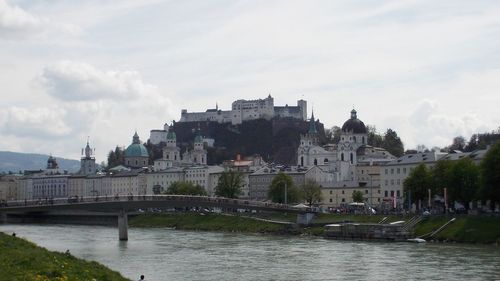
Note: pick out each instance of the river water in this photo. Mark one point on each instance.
(166, 254)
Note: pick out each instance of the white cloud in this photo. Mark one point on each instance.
(46, 122)
(427, 124)
(17, 23)
(79, 81)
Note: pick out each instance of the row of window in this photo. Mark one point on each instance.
(397, 170)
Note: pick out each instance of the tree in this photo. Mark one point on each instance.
(490, 176)
(464, 181)
(185, 188)
(374, 138)
(393, 143)
(229, 184)
(417, 183)
(311, 192)
(458, 144)
(277, 188)
(333, 134)
(440, 176)
(116, 157)
(357, 196)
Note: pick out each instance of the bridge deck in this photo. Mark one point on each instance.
(134, 202)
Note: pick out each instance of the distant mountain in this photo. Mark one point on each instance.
(15, 162)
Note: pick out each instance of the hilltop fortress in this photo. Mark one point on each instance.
(246, 110)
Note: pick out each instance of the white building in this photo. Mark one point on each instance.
(245, 110)
(159, 136)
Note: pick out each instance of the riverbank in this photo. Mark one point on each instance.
(23, 260)
(465, 229)
(210, 222)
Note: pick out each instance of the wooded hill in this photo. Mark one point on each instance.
(275, 140)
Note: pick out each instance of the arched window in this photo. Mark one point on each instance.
(325, 161)
(342, 157)
(315, 162)
(352, 158)
(363, 139)
(301, 160)
(354, 138)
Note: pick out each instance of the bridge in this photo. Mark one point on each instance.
(122, 205)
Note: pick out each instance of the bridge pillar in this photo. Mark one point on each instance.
(305, 218)
(122, 225)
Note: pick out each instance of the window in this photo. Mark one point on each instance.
(386, 171)
(331, 200)
(342, 192)
(366, 191)
(331, 192)
(392, 171)
(343, 199)
(398, 194)
(398, 171)
(392, 193)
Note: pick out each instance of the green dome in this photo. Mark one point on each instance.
(136, 150)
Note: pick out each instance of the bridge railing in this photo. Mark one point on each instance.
(239, 203)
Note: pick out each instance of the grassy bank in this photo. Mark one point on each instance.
(208, 222)
(465, 229)
(23, 260)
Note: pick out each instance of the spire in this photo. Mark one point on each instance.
(88, 151)
(354, 114)
(216, 106)
(312, 124)
(135, 138)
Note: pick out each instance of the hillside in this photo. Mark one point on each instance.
(276, 140)
(15, 162)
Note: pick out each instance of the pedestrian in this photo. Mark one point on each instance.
(142, 278)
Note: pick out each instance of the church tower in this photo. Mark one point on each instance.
(199, 154)
(171, 153)
(87, 162)
(306, 142)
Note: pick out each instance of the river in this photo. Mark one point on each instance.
(166, 254)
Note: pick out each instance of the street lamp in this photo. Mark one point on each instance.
(286, 201)
(371, 187)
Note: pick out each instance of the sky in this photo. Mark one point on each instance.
(72, 70)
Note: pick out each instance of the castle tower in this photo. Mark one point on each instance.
(87, 162)
(302, 104)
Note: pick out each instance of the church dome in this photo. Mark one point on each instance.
(354, 125)
(136, 149)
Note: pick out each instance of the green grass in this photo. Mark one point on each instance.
(466, 229)
(23, 260)
(208, 222)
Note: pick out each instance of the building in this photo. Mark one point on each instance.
(245, 110)
(9, 187)
(136, 154)
(172, 157)
(260, 181)
(87, 162)
(202, 175)
(159, 136)
(394, 173)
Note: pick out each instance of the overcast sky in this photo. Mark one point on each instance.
(70, 69)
